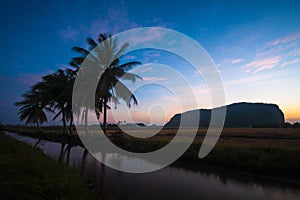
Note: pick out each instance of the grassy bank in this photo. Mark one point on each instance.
(262, 150)
(261, 158)
(26, 173)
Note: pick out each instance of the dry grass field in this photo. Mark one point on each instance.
(275, 137)
(266, 150)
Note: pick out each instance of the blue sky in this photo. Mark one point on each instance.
(255, 44)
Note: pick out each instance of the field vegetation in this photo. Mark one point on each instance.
(264, 150)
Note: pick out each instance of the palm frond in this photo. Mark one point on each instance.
(129, 65)
(124, 93)
(76, 61)
(91, 42)
(57, 115)
(80, 50)
(131, 77)
(121, 51)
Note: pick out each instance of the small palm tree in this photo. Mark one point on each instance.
(103, 59)
(32, 110)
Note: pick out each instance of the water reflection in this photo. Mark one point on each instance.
(179, 181)
(61, 152)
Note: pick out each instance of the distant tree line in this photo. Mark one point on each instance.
(289, 125)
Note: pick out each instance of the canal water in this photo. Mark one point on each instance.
(178, 181)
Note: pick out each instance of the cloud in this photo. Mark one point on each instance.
(233, 61)
(289, 38)
(6, 98)
(141, 69)
(255, 78)
(154, 78)
(291, 62)
(137, 116)
(129, 57)
(262, 64)
(29, 79)
(200, 91)
(148, 37)
(157, 21)
(168, 98)
(24, 79)
(113, 21)
(276, 49)
(250, 79)
(204, 69)
(62, 66)
(68, 34)
(279, 52)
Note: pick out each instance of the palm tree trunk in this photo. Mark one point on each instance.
(78, 117)
(64, 122)
(71, 124)
(38, 126)
(86, 120)
(68, 154)
(105, 115)
(61, 154)
(83, 160)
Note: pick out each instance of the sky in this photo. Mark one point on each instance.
(254, 44)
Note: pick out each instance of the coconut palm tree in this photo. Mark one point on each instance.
(71, 74)
(32, 110)
(102, 59)
(53, 93)
(58, 91)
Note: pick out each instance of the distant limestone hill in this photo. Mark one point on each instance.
(239, 115)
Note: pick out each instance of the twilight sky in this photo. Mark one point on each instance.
(255, 44)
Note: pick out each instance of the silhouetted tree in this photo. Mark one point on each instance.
(54, 92)
(32, 110)
(103, 59)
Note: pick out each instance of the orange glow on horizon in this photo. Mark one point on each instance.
(291, 113)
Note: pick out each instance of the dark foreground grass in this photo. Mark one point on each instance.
(27, 173)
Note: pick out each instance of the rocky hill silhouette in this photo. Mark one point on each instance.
(239, 115)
